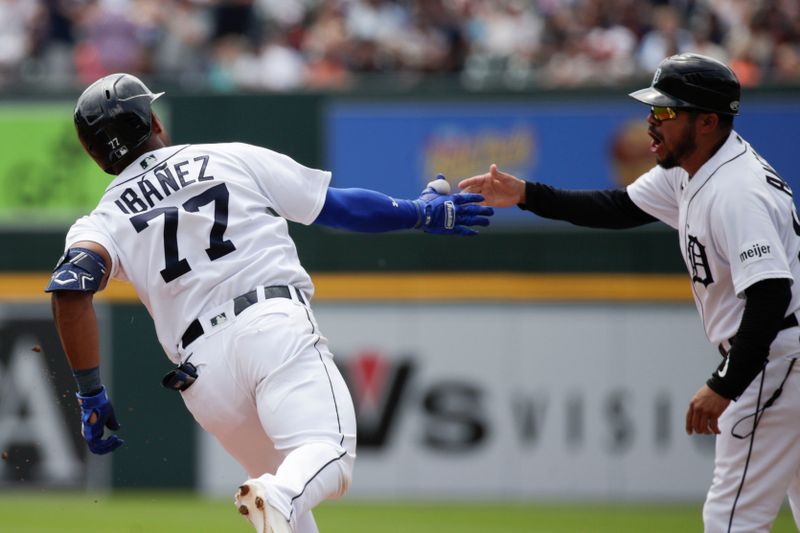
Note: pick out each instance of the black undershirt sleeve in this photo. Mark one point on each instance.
(612, 208)
(763, 317)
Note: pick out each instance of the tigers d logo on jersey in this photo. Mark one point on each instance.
(698, 261)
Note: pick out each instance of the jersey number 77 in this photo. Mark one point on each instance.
(218, 245)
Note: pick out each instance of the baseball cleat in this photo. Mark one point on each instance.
(251, 501)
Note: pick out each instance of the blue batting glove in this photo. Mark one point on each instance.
(445, 214)
(97, 414)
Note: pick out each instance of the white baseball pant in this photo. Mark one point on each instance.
(268, 390)
(773, 470)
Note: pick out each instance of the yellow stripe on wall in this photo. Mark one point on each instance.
(431, 287)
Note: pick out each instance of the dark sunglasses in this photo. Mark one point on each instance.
(662, 113)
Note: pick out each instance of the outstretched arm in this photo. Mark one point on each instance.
(367, 211)
(370, 211)
(611, 208)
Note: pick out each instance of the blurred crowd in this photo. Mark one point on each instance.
(281, 45)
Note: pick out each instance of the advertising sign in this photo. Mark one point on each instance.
(40, 441)
(516, 401)
(44, 173)
(398, 147)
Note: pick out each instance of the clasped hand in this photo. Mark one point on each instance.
(443, 213)
(97, 414)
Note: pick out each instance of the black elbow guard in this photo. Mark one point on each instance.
(79, 270)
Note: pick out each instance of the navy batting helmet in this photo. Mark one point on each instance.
(693, 81)
(113, 118)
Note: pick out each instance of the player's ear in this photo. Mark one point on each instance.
(708, 122)
(156, 127)
(158, 131)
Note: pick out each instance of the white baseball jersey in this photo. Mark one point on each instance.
(193, 226)
(737, 225)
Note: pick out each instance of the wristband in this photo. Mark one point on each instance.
(418, 206)
(88, 380)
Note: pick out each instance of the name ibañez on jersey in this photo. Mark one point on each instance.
(161, 183)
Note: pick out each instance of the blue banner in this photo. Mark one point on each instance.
(397, 148)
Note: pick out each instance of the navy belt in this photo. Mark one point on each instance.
(240, 303)
(788, 322)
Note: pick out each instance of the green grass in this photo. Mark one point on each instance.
(155, 512)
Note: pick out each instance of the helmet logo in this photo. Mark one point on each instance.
(656, 76)
(117, 151)
(735, 105)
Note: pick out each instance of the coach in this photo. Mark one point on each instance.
(740, 238)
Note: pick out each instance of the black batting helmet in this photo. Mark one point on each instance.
(113, 118)
(693, 81)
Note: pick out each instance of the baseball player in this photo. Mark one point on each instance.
(740, 238)
(201, 233)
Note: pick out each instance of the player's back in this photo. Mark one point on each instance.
(194, 226)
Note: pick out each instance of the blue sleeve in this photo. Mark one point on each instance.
(367, 211)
